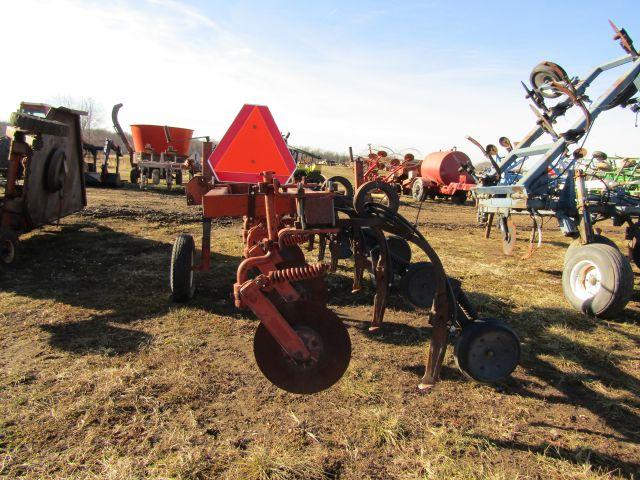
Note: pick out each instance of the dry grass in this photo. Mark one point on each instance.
(101, 376)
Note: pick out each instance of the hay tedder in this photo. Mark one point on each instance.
(545, 180)
(300, 345)
(44, 177)
(383, 178)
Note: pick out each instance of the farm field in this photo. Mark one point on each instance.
(103, 376)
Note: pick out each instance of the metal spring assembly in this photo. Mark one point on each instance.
(294, 274)
(295, 239)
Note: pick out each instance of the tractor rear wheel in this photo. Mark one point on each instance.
(181, 273)
(597, 280)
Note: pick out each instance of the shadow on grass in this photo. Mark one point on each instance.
(119, 277)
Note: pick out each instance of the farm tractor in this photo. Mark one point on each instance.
(300, 344)
(44, 172)
(546, 180)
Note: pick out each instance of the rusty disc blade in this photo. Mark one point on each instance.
(509, 237)
(323, 334)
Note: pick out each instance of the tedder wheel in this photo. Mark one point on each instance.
(347, 188)
(597, 280)
(418, 192)
(487, 351)
(134, 175)
(459, 197)
(596, 239)
(181, 275)
(418, 286)
(179, 177)
(376, 192)
(8, 246)
(55, 170)
(155, 176)
(322, 333)
(400, 253)
(544, 73)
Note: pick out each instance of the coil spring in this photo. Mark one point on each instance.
(294, 274)
(296, 239)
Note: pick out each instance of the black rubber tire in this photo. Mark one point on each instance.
(363, 196)
(181, 274)
(487, 351)
(343, 182)
(616, 280)
(134, 175)
(178, 177)
(634, 250)
(31, 123)
(596, 239)
(418, 192)
(5, 145)
(8, 246)
(155, 176)
(400, 253)
(418, 286)
(55, 170)
(459, 197)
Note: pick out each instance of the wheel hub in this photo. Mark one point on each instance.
(585, 279)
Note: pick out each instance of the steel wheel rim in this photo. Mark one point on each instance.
(585, 279)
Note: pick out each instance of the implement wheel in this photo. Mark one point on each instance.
(323, 334)
(418, 284)
(487, 351)
(459, 197)
(155, 176)
(597, 280)
(344, 186)
(376, 192)
(134, 175)
(596, 239)
(8, 246)
(181, 274)
(418, 190)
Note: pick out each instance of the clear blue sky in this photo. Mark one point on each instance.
(408, 74)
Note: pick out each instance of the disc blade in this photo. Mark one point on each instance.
(324, 335)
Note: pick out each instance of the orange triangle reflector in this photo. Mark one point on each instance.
(253, 144)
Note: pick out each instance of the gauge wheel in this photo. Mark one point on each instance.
(487, 351)
(181, 273)
(597, 280)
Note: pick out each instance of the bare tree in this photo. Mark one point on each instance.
(94, 112)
